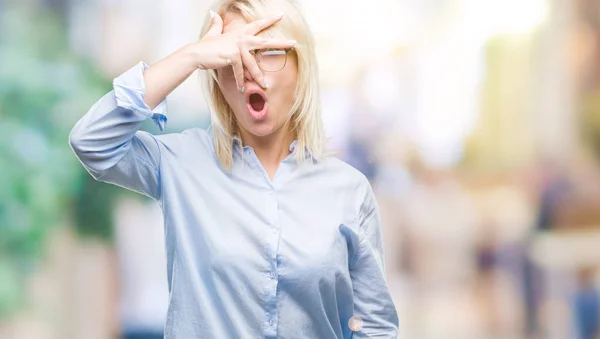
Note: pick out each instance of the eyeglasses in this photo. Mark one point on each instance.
(269, 60)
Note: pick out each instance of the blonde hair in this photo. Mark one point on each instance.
(304, 117)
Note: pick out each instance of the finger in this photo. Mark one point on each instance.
(216, 27)
(256, 26)
(238, 72)
(254, 42)
(250, 63)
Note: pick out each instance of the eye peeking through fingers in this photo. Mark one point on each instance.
(271, 59)
(267, 59)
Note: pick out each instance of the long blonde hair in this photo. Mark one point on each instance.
(304, 118)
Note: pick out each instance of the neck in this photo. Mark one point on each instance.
(271, 150)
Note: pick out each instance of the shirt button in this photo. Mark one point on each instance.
(271, 321)
(271, 275)
(355, 323)
(274, 231)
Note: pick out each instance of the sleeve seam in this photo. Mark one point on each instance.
(146, 162)
(158, 172)
(361, 219)
(361, 245)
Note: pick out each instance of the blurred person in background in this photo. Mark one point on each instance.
(267, 234)
(143, 291)
(586, 305)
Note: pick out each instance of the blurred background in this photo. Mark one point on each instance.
(477, 122)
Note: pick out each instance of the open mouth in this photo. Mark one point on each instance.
(257, 104)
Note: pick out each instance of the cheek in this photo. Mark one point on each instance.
(229, 91)
(288, 88)
(290, 76)
(226, 85)
(284, 84)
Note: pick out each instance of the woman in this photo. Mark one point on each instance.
(266, 235)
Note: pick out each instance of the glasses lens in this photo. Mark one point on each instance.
(271, 60)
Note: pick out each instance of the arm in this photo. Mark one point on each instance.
(372, 300)
(167, 74)
(107, 142)
(106, 139)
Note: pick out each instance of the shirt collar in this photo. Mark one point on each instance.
(237, 140)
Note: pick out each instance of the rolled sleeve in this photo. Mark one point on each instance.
(130, 90)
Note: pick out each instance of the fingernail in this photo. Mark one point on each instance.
(280, 15)
(242, 90)
(292, 42)
(212, 14)
(266, 84)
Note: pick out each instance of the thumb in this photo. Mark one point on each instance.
(216, 27)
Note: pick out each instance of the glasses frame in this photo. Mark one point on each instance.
(286, 50)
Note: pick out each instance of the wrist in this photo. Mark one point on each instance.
(192, 55)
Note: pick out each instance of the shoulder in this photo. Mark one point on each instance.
(191, 137)
(335, 167)
(350, 185)
(196, 141)
(345, 178)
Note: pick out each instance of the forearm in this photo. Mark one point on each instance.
(164, 76)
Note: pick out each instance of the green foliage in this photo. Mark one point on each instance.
(44, 89)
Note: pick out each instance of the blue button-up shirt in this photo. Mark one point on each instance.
(247, 257)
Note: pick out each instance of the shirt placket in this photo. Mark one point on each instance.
(271, 274)
(271, 248)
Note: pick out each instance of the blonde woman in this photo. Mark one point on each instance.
(266, 235)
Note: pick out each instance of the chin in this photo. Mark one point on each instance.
(262, 129)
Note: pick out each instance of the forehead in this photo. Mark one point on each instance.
(231, 22)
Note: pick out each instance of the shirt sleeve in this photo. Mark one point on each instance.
(373, 303)
(107, 140)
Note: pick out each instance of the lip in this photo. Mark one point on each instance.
(256, 115)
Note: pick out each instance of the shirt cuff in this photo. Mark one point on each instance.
(129, 91)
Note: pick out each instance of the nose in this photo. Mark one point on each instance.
(247, 75)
